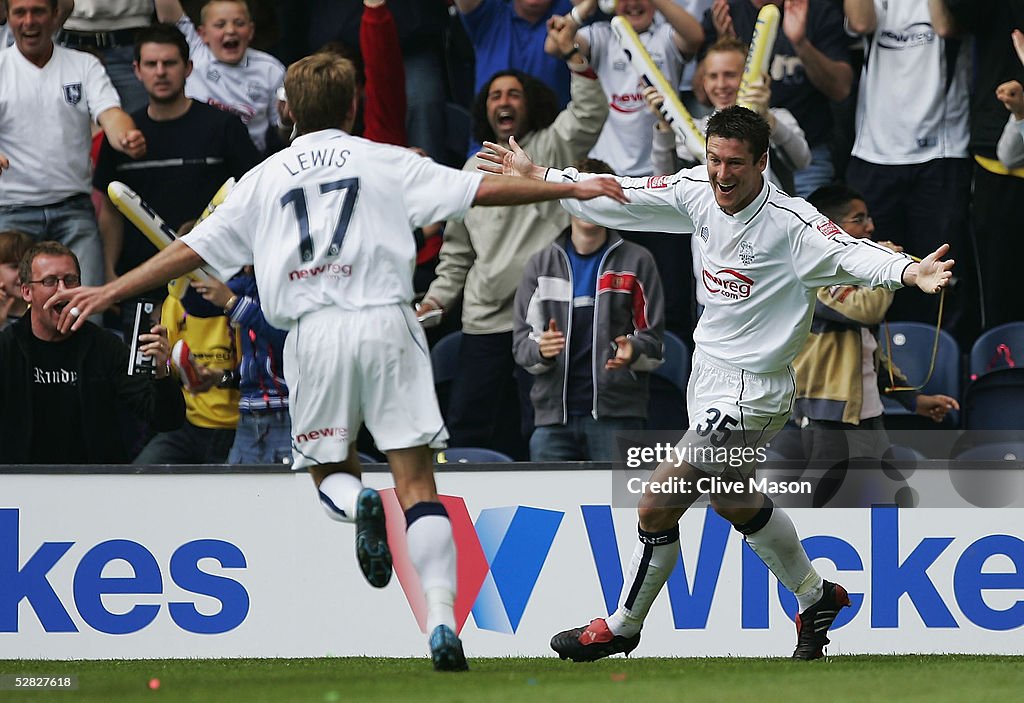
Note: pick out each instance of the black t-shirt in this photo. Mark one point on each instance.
(56, 409)
(791, 88)
(187, 160)
(990, 21)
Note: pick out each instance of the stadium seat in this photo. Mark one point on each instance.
(996, 451)
(444, 359)
(995, 401)
(666, 404)
(912, 353)
(996, 349)
(470, 455)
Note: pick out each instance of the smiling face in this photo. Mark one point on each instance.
(162, 71)
(736, 176)
(723, 71)
(32, 23)
(506, 108)
(227, 29)
(639, 13)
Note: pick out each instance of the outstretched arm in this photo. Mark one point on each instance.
(176, 260)
(649, 209)
(498, 190)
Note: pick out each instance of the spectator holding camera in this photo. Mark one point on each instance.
(60, 392)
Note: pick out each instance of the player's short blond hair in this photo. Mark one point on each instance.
(320, 91)
(206, 5)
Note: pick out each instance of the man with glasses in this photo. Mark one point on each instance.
(837, 372)
(61, 393)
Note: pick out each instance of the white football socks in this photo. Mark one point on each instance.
(654, 557)
(338, 494)
(779, 547)
(432, 552)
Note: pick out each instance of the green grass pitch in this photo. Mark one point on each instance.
(931, 679)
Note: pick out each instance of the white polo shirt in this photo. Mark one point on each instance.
(328, 222)
(247, 89)
(46, 116)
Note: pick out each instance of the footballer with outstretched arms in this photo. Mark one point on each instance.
(327, 223)
(764, 256)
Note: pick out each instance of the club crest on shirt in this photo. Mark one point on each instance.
(746, 253)
(73, 93)
(704, 233)
(253, 91)
(213, 75)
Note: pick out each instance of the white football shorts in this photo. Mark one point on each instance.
(733, 414)
(346, 367)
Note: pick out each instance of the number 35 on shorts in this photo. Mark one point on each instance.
(716, 427)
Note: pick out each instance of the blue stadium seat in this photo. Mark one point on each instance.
(912, 353)
(666, 405)
(995, 401)
(998, 348)
(444, 359)
(470, 455)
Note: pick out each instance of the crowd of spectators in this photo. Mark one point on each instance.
(917, 105)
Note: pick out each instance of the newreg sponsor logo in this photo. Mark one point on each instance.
(728, 284)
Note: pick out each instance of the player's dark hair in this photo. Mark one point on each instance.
(738, 122)
(320, 90)
(162, 33)
(588, 165)
(13, 245)
(833, 201)
(44, 249)
(541, 105)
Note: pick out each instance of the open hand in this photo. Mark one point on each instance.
(933, 274)
(508, 161)
(794, 21)
(935, 407)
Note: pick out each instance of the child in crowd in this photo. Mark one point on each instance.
(226, 72)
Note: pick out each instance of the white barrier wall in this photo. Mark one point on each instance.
(247, 565)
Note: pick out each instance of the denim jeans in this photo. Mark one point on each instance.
(118, 63)
(582, 439)
(818, 173)
(72, 222)
(262, 438)
(188, 444)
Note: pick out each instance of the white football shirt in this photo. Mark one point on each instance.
(247, 89)
(625, 140)
(761, 268)
(46, 116)
(913, 101)
(328, 221)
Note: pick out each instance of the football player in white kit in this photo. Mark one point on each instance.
(328, 224)
(764, 256)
